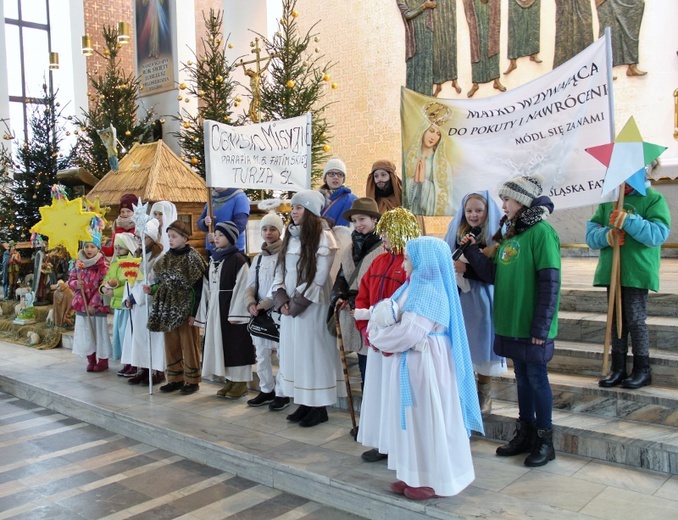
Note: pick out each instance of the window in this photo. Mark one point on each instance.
(28, 45)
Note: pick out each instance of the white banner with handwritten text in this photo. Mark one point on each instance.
(275, 155)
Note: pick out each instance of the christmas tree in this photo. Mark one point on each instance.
(7, 206)
(296, 80)
(113, 101)
(34, 167)
(211, 82)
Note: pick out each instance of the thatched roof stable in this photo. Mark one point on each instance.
(153, 172)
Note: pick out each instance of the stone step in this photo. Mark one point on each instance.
(634, 444)
(656, 405)
(586, 359)
(589, 327)
(595, 300)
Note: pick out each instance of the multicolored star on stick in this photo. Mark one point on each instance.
(64, 222)
(626, 158)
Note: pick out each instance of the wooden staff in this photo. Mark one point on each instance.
(614, 298)
(349, 394)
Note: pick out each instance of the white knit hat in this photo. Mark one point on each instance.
(152, 229)
(334, 164)
(312, 200)
(272, 219)
(523, 189)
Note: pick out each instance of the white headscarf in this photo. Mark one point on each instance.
(169, 215)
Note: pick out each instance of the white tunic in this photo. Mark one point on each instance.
(310, 367)
(372, 431)
(135, 348)
(434, 449)
(209, 314)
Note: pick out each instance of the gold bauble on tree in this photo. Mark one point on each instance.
(290, 83)
(187, 125)
(295, 14)
(194, 161)
(327, 148)
(128, 133)
(335, 86)
(326, 77)
(182, 86)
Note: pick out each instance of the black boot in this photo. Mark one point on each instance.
(522, 441)
(617, 371)
(543, 450)
(641, 373)
(317, 415)
(299, 413)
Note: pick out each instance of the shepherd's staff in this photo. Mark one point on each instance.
(614, 298)
(349, 394)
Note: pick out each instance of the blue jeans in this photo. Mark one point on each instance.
(535, 400)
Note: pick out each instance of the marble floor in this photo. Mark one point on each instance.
(55, 467)
(321, 464)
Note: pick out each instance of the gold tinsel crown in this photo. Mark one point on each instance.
(399, 225)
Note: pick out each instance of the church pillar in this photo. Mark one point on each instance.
(154, 66)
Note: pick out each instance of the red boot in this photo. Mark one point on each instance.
(101, 366)
(91, 361)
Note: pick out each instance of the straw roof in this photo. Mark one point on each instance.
(153, 172)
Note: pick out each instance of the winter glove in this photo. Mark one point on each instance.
(617, 218)
(280, 298)
(619, 233)
(298, 304)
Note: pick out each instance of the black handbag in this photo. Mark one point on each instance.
(264, 324)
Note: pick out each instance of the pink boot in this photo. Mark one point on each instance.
(101, 366)
(91, 361)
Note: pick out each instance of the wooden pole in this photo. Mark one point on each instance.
(349, 394)
(614, 298)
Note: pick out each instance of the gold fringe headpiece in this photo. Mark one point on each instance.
(400, 225)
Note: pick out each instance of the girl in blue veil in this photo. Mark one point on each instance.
(435, 409)
(478, 210)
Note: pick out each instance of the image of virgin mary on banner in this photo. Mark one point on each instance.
(452, 147)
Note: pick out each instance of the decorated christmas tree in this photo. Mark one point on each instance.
(113, 102)
(296, 82)
(7, 206)
(212, 84)
(34, 168)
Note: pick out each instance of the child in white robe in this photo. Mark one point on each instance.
(433, 405)
(137, 336)
(257, 298)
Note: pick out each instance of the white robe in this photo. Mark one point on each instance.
(434, 449)
(135, 347)
(310, 367)
(209, 314)
(372, 431)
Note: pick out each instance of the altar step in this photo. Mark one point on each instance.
(637, 428)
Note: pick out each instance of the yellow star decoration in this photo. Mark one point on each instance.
(64, 223)
(96, 207)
